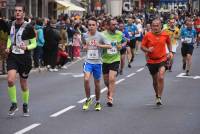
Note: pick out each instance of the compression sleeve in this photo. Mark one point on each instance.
(32, 44)
(8, 42)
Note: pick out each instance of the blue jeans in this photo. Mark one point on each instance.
(38, 56)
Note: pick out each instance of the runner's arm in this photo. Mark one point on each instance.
(32, 44)
(8, 42)
(104, 46)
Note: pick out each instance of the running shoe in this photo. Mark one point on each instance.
(25, 110)
(87, 104)
(110, 102)
(97, 106)
(13, 109)
(187, 73)
(158, 101)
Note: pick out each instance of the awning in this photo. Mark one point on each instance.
(66, 5)
(173, 1)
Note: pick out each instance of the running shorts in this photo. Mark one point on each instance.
(22, 63)
(110, 66)
(95, 69)
(154, 68)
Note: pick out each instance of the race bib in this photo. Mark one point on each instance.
(188, 40)
(92, 54)
(113, 50)
(17, 50)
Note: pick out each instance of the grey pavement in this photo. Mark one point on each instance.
(56, 103)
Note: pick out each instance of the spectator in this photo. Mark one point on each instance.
(3, 39)
(52, 39)
(76, 44)
(38, 51)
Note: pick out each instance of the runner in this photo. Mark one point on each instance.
(132, 30)
(188, 38)
(22, 39)
(111, 59)
(174, 33)
(153, 44)
(125, 48)
(93, 42)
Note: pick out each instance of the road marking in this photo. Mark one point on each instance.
(62, 111)
(182, 75)
(150, 104)
(92, 96)
(66, 73)
(139, 70)
(120, 80)
(130, 75)
(28, 128)
(104, 89)
(75, 61)
(196, 77)
(83, 100)
(78, 75)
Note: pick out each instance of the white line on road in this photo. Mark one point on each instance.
(104, 89)
(130, 75)
(28, 128)
(182, 75)
(62, 111)
(120, 80)
(75, 62)
(83, 100)
(139, 70)
(78, 75)
(66, 73)
(196, 77)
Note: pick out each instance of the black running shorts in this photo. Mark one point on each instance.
(110, 66)
(22, 63)
(186, 49)
(132, 43)
(123, 51)
(154, 68)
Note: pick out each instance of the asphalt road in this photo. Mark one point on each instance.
(56, 100)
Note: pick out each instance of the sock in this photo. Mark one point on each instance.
(25, 96)
(12, 94)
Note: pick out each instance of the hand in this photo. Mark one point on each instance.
(170, 55)
(23, 46)
(7, 50)
(150, 50)
(85, 47)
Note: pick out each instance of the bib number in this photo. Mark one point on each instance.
(113, 50)
(92, 54)
(188, 40)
